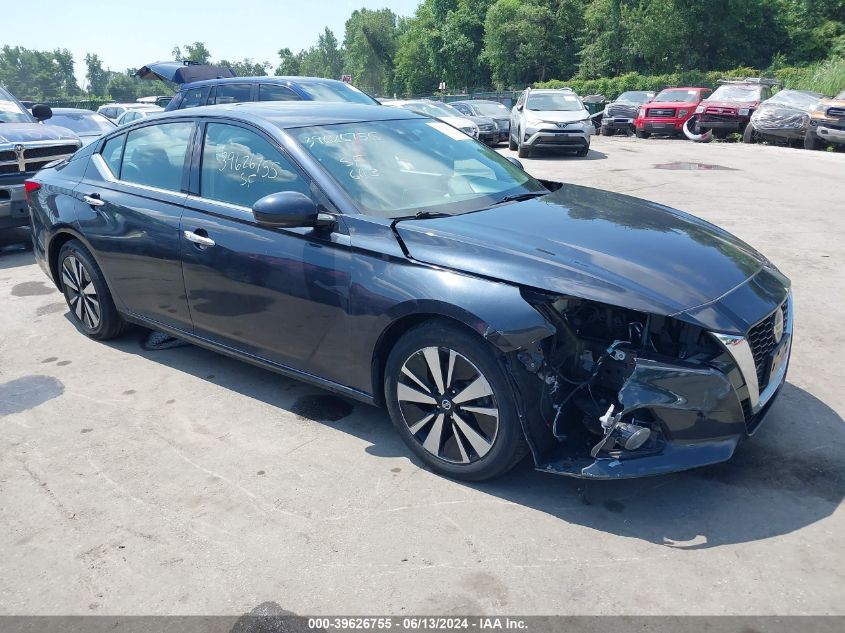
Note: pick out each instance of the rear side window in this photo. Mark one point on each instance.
(239, 167)
(111, 153)
(232, 93)
(271, 92)
(193, 98)
(155, 155)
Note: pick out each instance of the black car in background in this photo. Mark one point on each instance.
(87, 125)
(620, 113)
(500, 113)
(784, 117)
(393, 259)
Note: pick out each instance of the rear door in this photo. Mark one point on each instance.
(279, 294)
(130, 207)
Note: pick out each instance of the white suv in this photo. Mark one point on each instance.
(550, 118)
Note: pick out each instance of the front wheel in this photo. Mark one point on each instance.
(449, 398)
(749, 135)
(642, 134)
(512, 146)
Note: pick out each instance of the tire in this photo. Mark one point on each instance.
(811, 141)
(473, 445)
(524, 151)
(642, 134)
(92, 311)
(604, 131)
(583, 151)
(511, 143)
(749, 135)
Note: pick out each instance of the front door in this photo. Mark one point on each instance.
(129, 207)
(278, 294)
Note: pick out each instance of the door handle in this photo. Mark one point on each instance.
(93, 200)
(198, 239)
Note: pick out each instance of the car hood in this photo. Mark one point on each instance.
(591, 244)
(28, 132)
(557, 115)
(457, 121)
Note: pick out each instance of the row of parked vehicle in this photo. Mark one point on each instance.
(746, 106)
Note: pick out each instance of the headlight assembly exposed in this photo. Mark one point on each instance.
(744, 111)
(699, 109)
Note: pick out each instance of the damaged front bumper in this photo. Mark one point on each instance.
(697, 414)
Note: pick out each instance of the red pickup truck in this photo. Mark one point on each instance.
(668, 111)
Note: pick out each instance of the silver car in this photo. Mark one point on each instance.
(554, 118)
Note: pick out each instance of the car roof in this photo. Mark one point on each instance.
(73, 111)
(685, 88)
(265, 79)
(476, 101)
(293, 114)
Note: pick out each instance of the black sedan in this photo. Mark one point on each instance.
(784, 117)
(87, 125)
(392, 259)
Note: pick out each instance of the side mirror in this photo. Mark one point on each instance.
(289, 209)
(42, 112)
(515, 162)
(518, 108)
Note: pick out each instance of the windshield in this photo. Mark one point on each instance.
(553, 102)
(336, 92)
(796, 99)
(81, 123)
(635, 97)
(677, 95)
(11, 111)
(490, 109)
(399, 168)
(736, 93)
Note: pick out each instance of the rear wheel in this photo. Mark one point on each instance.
(87, 294)
(811, 141)
(452, 403)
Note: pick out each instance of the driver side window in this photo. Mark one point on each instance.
(240, 167)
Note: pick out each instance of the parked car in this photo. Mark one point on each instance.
(25, 147)
(500, 113)
(731, 105)
(827, 123)
(481, 128)
(114, 111)
(87, 125)
(245, 89)
(550, 118)
(619, 115)
(388, 257)
(668, 111)
(786, 116)
(158, 100)
(134, 115)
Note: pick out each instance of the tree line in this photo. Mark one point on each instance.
(472, 44)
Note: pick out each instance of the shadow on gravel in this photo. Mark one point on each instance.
(16, 248)
(788, 476)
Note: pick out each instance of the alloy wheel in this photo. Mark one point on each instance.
(448, 405)
(80, 292)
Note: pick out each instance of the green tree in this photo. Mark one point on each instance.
(31, 74)
(290, 64)
(196, 52)
(98, 77)
(370, 43)
(247, 67)
(415, 68)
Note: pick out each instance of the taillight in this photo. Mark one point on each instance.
(30, 186)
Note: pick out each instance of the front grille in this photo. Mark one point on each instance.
(762, 341)
(9, 169)
(55, 151)
(661, 112)
(718, 117)
(728, 111)
(621, 110)
(8, 156)
(837, 112)
(485, 128)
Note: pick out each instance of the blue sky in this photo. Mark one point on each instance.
(131, 33)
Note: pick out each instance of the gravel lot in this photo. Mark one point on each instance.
(182, 482)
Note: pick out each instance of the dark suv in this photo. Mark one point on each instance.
(242, 89)
(25, 147)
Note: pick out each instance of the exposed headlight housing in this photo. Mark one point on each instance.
(744, 111)
(641, 113)
(699, 109)
(682, 113)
